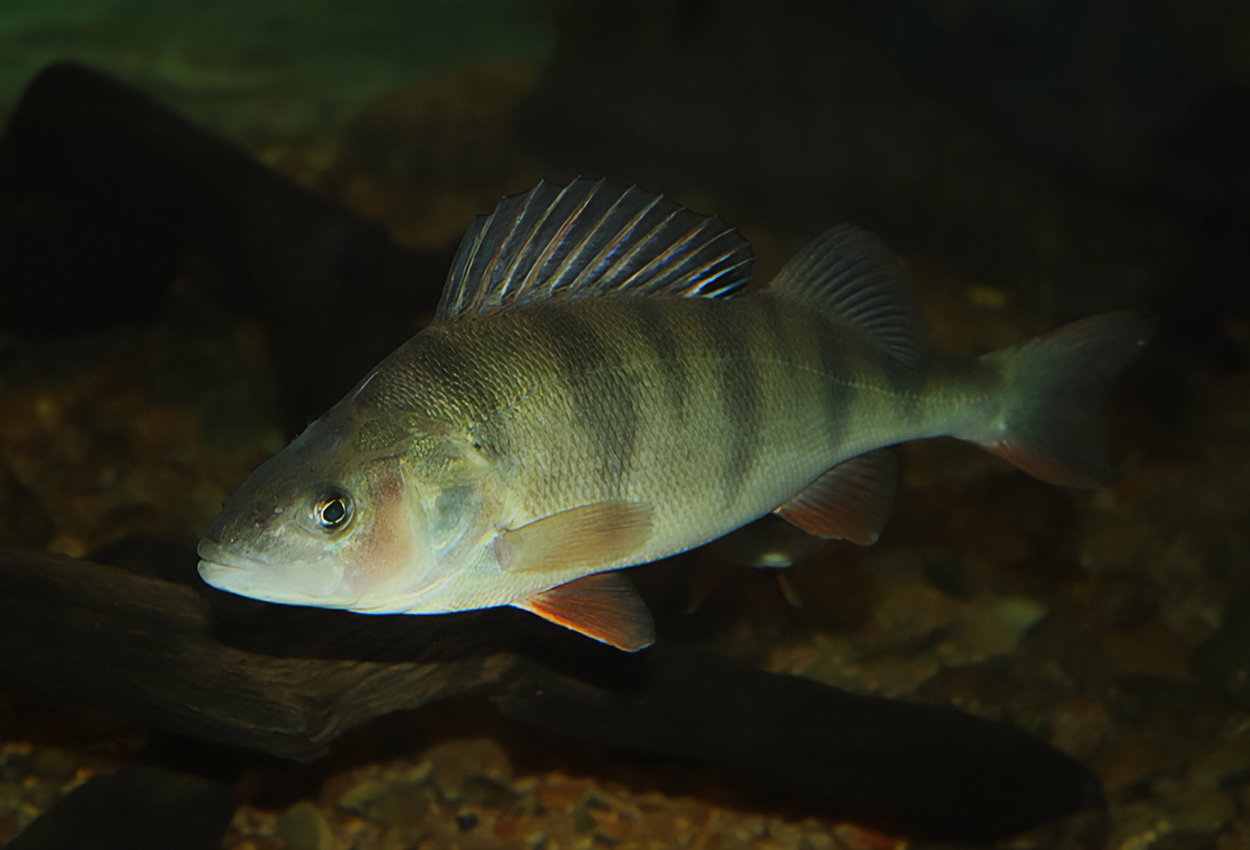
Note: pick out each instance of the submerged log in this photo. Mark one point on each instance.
(288, 681)
(144, 648)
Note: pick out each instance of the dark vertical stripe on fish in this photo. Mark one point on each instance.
(654, 331)
(741, 403)
(839, 393)
(592, 373)
(906, 382)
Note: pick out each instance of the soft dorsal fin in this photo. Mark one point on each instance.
(587, 240)
(603, 606)
(851, 501)
(850, 275)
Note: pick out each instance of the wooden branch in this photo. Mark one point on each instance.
(146, 648)
(287, 681)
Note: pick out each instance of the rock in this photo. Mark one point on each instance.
(54, 764)
(455, 761)
(1227, 763)
(1224, 659)
(361, 797)
(1133, 761)
(1149, 649)
(1078, 726)
(304, 827)
(1200, 810)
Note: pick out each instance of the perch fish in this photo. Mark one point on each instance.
(597, 391)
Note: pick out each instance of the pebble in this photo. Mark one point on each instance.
(1133, 761)
(1235, 837)
(457, 761)
(304, 827)
(1078, 726)
(1149, 649)
(1138, 826)
(1229, 761)
(982, 630)
(55, 765)
(362, 796)
(1200, 810)
(862, 838)
(488, 792)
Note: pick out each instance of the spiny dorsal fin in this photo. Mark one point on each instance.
(603, 606)
(852, 500)
(587, 240)
(850, 275)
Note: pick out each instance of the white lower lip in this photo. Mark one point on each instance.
(270, 584)
(225, 577)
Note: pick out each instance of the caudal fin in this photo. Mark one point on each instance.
(1051, 421)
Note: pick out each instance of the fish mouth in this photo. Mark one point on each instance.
(299, 583)
(216, 556)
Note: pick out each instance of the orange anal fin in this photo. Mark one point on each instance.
(851, 501)
(603, 606)
(594, 535)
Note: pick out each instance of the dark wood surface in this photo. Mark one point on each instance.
(145, 648)
(183, 658)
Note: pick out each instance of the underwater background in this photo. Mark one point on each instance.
(163, 331)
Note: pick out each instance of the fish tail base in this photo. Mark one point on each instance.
(1050, 422)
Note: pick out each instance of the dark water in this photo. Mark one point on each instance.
(1030, 164)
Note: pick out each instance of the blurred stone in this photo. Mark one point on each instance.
(1224, 660)
(362, 796)
(457, 761)
(1133, 760)
(488, 792)
(988, 628)
(1079, 726)
(55, 765)
(1149, 649)
(947, 575)
(1136, 826)
(1182, 840)
(304, 827)
(1230, 762)
(1201, 810)
(855, 837)
(1235, 837)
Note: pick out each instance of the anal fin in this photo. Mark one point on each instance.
(851, 500)
(603, 606)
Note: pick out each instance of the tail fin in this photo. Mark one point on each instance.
(1051, 421)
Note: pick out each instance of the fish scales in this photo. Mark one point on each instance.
(705, 413)
(596, 393)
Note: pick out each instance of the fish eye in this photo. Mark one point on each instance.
(333, 510)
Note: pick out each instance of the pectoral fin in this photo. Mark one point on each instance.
(588, 536)
(603, 606)
(852, 500)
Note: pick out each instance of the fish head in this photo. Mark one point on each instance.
(331, 521)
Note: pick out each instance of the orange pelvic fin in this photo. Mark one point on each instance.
(603, 606)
